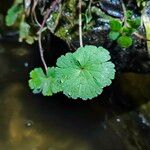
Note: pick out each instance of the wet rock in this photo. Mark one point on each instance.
(133, 59)
(96, 30)
(111, 7)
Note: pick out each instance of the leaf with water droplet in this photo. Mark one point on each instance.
(85, 72)
(45, 83)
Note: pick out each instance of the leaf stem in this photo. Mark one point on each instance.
(42, 51)
(125, 14)
(51, 8)
(80, 23)
(140, 36)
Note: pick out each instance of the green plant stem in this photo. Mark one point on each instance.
(80, 23)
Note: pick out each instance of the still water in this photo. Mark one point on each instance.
(119, 119)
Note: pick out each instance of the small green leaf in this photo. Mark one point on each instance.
(134, 23)
(24, 30)
(13, 14)
(125, 41)
(113, 35)
(88, 16)
(45, 83)
(129, 14)
(24, 33)
(30, 39)
(128, 31)
(86, 72)
(115, 25)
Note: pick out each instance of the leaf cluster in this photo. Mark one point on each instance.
(15, 14)
(82, 74)
(141, 3)
(122, 31)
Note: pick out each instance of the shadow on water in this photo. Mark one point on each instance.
(119, 119)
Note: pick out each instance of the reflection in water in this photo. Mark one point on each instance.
(117, 120)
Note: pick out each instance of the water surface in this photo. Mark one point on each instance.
(119, 119)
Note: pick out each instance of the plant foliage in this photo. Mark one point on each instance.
(86, 72)
(45, 83)
(16, 14)
(122, 31)
(82, 74)
(24, 32)
(13, 14)
(124, 41)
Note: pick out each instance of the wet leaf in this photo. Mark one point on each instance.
(45, 83)
(86, 72)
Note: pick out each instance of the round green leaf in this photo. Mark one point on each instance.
(86, 72)
(115, 25)
(113, 35)
(124, 41)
